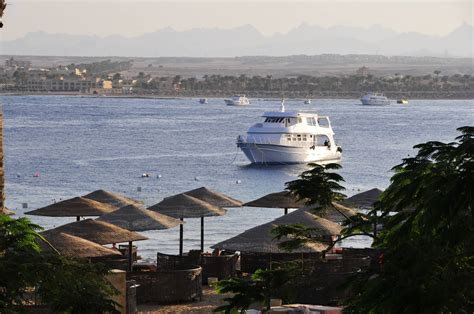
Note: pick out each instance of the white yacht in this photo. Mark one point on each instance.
(375, 99)
(237, 100)
(290, 137)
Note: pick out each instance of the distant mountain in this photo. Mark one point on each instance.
(247, 41)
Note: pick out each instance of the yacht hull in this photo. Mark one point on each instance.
(280, 154)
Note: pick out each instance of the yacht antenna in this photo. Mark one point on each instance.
(282, 105)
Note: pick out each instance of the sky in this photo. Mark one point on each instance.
(134, 17)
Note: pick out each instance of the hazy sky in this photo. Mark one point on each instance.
(130, 17)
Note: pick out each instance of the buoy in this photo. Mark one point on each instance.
(238, 182)
(36, 175)
(196, 178)
(139, 189)
(24, 205)
(158, 176)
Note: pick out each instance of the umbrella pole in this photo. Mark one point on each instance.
(286, 211)
(202, 234)
(130, 256)
(181, 238)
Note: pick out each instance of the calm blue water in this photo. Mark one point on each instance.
(82, 144)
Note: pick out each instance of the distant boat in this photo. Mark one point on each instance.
(237, 100)
(307, 102)
(375, 99)
(402, 101)
(203, 100)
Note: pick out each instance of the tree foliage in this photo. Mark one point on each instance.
(319, 185)
(429, 244)
(260, 288)
(66, 285)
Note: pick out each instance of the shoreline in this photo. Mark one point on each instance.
(425, 96)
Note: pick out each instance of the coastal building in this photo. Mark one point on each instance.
(59, 85)
(12, 63)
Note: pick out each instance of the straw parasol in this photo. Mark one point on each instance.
(137, 218)
(6, 211)
(282, 199)
(365, 199)
(100, 232)
(110, 198)
(74, 207)
(184, 206)
(260, 240)
(213, 198)
(335, 212)
(73, 246)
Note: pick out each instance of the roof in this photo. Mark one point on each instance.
(213, 197)
(77, 206)
(110, 198)
(100, 232)
(185, 206)
(260, 240)
(73, 246)
(282, 199)
(137, 218)
(288, 114)
(364, 199)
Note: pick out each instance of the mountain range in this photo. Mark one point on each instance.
(248, 41)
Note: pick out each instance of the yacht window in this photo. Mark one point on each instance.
(267, 120)
(322, 140)
(310, 121)
(300, 120)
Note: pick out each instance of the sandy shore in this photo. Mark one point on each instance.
(210, 300)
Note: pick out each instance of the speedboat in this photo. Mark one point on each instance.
(290, 137)
(203, 100)
(402, 101)
(375, 99)
(237, 100)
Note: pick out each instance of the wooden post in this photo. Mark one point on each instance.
(181, 238)
(286, 211)
(130, 256)
(202, 234)
(78, 218)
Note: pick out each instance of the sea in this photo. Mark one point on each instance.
(59, 147)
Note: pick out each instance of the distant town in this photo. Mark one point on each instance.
(115, 78)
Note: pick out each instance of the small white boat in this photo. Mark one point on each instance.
(290, 138)
(375, 99)
(307, 102)
(237, 100)
(203, 100)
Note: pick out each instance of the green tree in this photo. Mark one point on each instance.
(66, 285)
(428, 262)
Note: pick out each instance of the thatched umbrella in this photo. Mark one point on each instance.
(100, 232)
(214, 198)
(365, 199)
(73, 246)
(137, 218)
(74, 207)
(6, 211)
(260, 240)
(110, 198)
(184, 206)
(335, 212)
(282, 199)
